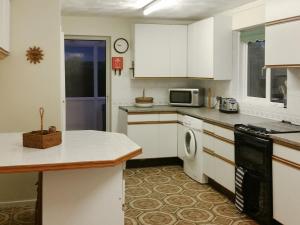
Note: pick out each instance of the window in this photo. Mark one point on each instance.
(278, 85)
(261, 84)
(256, 75)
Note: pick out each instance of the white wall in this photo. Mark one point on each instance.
(124, 88)
(25, 87)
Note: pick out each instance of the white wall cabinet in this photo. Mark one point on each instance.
(282, 44)
(155, 133)
(210, 48)
(286, 185)
(160, 50)
(4, 27)
(279, 9)
(219, 155)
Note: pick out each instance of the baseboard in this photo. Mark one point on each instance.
(221, 189)
(17, 203)
(138, 163)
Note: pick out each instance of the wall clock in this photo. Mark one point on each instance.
(121, 45)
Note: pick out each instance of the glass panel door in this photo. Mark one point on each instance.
(85, 67)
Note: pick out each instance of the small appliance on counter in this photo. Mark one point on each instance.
(228, 105)
(193, 97)
(144, 102)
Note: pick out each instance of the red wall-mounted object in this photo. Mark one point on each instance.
(117, 63)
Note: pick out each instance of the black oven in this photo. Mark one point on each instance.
(253, 154)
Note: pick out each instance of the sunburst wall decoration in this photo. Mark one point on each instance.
(35, 55)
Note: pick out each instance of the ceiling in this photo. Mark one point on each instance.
(182, 9)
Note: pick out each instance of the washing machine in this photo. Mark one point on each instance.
(191, 149)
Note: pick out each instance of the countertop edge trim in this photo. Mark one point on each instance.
(69, 166)
(177, 111)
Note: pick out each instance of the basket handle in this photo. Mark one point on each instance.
(41, 110)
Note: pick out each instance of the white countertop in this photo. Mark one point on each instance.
(79, 149)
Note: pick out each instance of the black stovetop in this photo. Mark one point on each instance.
(275, 127)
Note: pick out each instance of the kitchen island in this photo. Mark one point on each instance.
(82, 179)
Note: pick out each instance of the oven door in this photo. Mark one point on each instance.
(253, 153)
(181, 97)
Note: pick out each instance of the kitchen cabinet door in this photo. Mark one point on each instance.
(279, 9)
(4, 27)
(152, 50)
(224, 174)
(167, 140)
(160, 50)
(286, 195)
(200, 48)
(146, 136)
(180, 141)
(178, 50)
(282, 44)
(210, 48)
(209, 167)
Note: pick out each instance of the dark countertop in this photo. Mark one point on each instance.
(209, 115)
(226, 120)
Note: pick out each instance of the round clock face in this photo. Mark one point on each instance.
(121, 45)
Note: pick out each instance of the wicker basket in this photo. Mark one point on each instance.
(41, 140)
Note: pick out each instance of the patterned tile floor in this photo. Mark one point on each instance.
(166, 196)
(159, 196)
(17, 215)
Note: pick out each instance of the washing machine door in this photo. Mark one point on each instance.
(190, 144)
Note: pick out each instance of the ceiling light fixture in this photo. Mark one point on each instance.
(158, 5)
(142, 3)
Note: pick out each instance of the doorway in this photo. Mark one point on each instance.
(87, 84)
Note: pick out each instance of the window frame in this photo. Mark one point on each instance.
(244, 74)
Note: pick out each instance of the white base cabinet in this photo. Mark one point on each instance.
(224, 174)
(155, 133)
(286, 185)
(145, 136)
(89, 196)
(286, 194)
(218, 162)
(180, 141)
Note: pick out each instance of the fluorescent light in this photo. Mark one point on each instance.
(158, 5)
(141, 3)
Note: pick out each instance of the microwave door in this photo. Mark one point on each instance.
(181, 97)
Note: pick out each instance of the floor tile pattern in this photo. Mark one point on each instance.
(167, 196)
(17, 215)
(158, 196)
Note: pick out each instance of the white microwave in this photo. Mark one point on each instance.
(186, 97)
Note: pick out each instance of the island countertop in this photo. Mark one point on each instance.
(80, 149)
